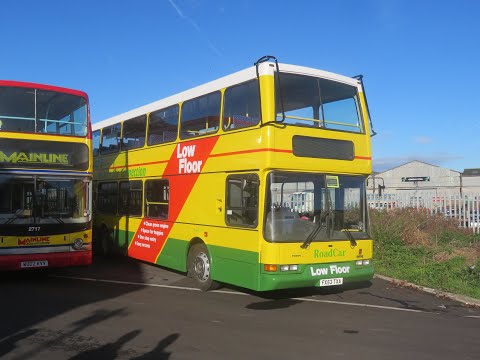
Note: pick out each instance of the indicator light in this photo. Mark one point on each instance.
(270, 267)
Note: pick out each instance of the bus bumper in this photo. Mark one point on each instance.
(309, 275)
(49, 260)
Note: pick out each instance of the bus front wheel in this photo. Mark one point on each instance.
(199, 267)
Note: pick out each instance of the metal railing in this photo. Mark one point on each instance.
(463, 207)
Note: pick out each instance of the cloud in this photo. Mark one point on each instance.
(195, 26)
(439, 159)
(423, 140)
(177, 9)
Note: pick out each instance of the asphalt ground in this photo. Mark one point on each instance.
(120, 308)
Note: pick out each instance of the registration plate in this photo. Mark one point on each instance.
(34, 264)
(330, 282)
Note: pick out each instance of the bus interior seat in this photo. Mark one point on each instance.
(169, 136)
(280, 221)
(284, 213)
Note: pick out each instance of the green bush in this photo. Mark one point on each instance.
(426, 249)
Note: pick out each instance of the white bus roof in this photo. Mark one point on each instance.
(215, 85)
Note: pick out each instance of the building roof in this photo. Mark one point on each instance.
(471, 172)
(419, 162)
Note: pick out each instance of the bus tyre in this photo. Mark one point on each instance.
(199, 266)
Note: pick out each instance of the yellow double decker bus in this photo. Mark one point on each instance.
(211, 181)
(45, 177)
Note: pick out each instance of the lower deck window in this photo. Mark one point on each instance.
(131, 198)
(242, 200)
(107, 197)
(157, 197)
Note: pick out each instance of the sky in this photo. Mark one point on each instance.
(420, 58)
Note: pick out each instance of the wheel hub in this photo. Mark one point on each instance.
(202, 266)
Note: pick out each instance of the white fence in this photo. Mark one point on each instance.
(463, 207)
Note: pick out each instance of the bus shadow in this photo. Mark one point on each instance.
(118, 349)
(11, 343)
(30, 298)
(278, 299)
(69, 339)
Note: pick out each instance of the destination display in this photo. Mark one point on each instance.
(34, 154)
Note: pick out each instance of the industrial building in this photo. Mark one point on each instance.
(416, 178)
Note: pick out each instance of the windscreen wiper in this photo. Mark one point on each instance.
(13, 218)
(312, 235)
(59, 219)
(353, 242)
(315, 231)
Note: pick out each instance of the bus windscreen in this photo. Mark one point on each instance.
(29, 110)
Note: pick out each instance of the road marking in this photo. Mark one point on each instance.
(235, 293)
(124, 282)
(361, 305)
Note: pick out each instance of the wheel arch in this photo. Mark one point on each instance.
(194, 241)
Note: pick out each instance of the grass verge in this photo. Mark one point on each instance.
(427, 250)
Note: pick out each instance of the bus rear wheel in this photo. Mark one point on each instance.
(199, 267)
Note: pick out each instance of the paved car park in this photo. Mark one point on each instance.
(120, 308)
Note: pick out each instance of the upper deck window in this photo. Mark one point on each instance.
(110, 139)
(241, 106)
(40, 111)
(134, 133)
(316, 102)
(163, 126)
(200, 116)
(96, 142)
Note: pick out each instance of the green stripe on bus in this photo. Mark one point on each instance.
(233, 266)
(242, 268)
(174, 255)
(308, 276)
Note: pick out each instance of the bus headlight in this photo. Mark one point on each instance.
(77, 244)
(288, 267)
(362, 262)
